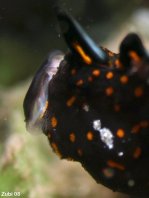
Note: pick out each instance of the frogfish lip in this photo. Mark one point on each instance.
(36, 99)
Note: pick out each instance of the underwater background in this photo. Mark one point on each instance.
(28, 32)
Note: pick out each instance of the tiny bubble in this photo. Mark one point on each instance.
(120, 154)
(59, 35)
(131, 183)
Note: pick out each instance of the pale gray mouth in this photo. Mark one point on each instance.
(36, 100)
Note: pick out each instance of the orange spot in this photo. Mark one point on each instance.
(144, 124)
(53, 121)
(120, 133)
(80, 152)
(49, 135)
(134, 56)
(96, 72)
(137, 153)
(109, 75)
(110, 53)
(54, 146)
(118, 64)
(136, 128)
(73, 71)
(117, 107)
(124, 79)
(44, 110)
(109, 91)
(72, 137)
(79, 82)
(70, 102)
(90, 79)
(108, 172)
(89, 136)
(138, 91)
(80, 50)
(113, 164)
(56, 150)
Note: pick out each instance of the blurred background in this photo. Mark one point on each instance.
(28, 32)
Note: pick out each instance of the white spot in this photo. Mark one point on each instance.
(107, 137)
(59, 35)
(86, 107)
(131, 182)
(105, 133)
(120, 154)
(97, 125)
